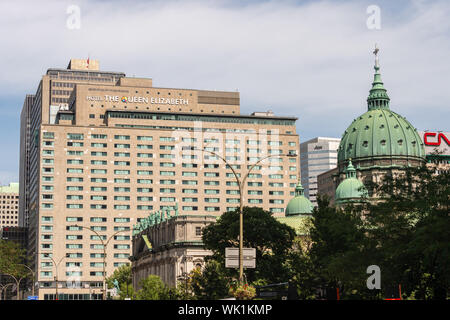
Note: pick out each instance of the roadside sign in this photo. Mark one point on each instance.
(232, 257)
(32, 298)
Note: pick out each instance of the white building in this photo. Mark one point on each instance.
(316, 156)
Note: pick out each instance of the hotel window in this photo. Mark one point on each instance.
(254, 184)
(121, 189)
(47, 179)
(47, 219)
(74, 206)
(99, 189)
(98, 198)
(291, 144)
(276, 210)
(190, 182)
(74, 197)
(122, 246)
(190, 199)
(121, 220)
(121, 171)
(100, 180)
(145, 207)
(99, 153)
(47, 206)
(166, 199)
(232, 191)
(121, 207)
(145, 138)
(121, 163)
(145, 164)
(276, 201)
(167, 139)
(74, 170)
(189, 165)
(98, 206)
(47, 228)
(232, 200)
(99, 136)
(99, 162)
(98, 145)
(98, 228)
(75, 136)
(144, 146)
(98, 219)
(74, 188)
(255, 201)
(75, 144)
(144, 198)
(91, 116)
(121, 154)
(209, 209)
(190, 208)
(276, 193)
(275, 176)
(48, 135)
(74, 161)
(212, 200)
(144, 172)
(190, 191)
(74, 246)
(212, 191)
(73, 237)
(143, 190)
(255, 192)
(121, 137)
(145, 181)
(122, 146)
(276, 184)
(48, 152)
(148, 155)
(48, 143)
(122, 180)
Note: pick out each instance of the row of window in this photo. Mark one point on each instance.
(80, 136)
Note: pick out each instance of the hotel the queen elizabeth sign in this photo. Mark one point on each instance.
(139, 99)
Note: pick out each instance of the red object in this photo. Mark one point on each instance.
(433, 134)
(337, 293)
(87, 62)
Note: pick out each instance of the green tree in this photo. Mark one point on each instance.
(153, 288)
(211, 283)
(410, 230)
(124, 278)
(272, 240)
(11, 258)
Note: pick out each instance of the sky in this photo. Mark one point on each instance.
(309, 59)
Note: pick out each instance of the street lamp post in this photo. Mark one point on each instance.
(241, 185)
(3, 288)
(17, 283)
(104, 244)
(56, 270)
(34, 276)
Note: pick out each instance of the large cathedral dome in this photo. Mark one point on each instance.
(380, 137)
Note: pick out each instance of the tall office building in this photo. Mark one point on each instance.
(316, 156)
(9, 205)
(105, 150)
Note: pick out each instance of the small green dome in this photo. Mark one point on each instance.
(299, 204)
(380, 133)
(351, 189)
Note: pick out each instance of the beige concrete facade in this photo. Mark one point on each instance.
(113, 150)
(9, 205)
(176, 249)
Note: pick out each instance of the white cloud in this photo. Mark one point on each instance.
(311, 60)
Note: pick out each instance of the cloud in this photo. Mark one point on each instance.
(311, 59)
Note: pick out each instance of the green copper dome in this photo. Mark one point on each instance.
(299, 204)
(351, 189)
(380, 133)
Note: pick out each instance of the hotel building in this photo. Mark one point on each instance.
(9, 205)
(317, 156)
(100, 151)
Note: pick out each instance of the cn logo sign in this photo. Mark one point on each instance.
(433, 134)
